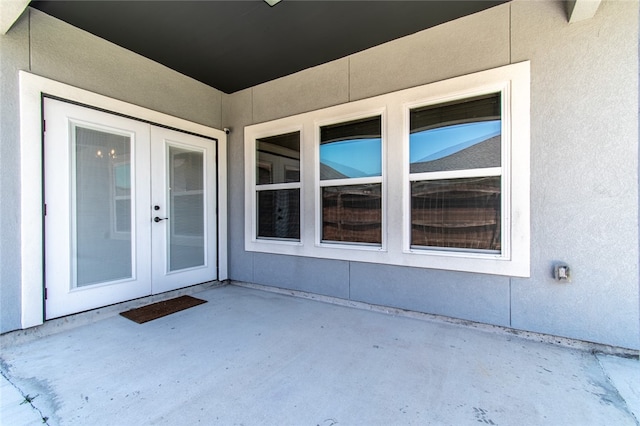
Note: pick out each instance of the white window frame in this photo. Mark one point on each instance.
(319, 184)
(504, 172)
(514, 259)
(252, 188)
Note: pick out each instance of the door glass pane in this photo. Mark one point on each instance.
(186, 209)
(102, 199)
(351, 150)
(456, 135)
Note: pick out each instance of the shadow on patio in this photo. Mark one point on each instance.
(259, 358)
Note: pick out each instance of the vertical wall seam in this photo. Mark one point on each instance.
(29, 35)
(222, 97)
(510, 33)
(252, 107)
(510, 301)
(349, 79)
(349, 278)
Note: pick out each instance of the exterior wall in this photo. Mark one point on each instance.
(584, 158)
(51, 48)
(584, 190)
(14, 52)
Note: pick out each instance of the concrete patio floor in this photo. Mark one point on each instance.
(253, 357)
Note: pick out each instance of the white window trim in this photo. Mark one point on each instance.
(504, 171)
(251, 188)
(319, 184)
(514, 260)
(32, 88)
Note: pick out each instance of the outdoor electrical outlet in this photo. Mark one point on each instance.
(562, 273)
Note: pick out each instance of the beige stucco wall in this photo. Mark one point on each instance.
(584, 157)
(51, 48)
(69, 55)
(584, 162)
(14, 56)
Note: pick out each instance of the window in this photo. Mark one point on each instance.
(278, 187)
(351, 181)
(455, 174)
(435, 176)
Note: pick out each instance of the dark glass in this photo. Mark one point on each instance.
(275, 156)
(351, 150)
(279, 214)
(464, 134)
(457, 213)
(352, 213)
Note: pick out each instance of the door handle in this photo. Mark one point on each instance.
(158, 219)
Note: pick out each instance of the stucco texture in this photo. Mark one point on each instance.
(15, 56)
(51, 48)
(69, 55)
(584, 162)
(584, 158)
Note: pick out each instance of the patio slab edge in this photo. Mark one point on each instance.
(596, 348)
(59, 325)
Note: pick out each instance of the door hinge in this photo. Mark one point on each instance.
(45, 209)
(46, 294)
(44, 125)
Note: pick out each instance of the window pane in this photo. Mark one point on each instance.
(352, 213)
(351, 150)
(276, 157)
(456, 135)
(279, 214)
(456, 213)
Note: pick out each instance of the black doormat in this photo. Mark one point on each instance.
(161, 309)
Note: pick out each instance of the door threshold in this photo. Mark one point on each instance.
(57, 325)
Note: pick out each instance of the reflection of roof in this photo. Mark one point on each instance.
(481, 155)
(327, 173)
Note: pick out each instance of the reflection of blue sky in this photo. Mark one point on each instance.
(354, 158)
(437, 143)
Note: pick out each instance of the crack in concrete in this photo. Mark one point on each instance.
(27, 398)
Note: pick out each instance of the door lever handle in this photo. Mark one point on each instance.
(158, 219)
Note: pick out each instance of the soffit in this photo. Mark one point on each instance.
(233, 45)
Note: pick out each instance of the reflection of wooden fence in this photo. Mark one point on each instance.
(462, 213)
(352, 214)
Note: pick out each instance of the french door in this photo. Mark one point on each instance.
(130, 209)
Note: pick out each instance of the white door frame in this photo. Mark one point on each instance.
(32, 89)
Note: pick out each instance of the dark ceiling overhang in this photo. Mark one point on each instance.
(232, 45)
